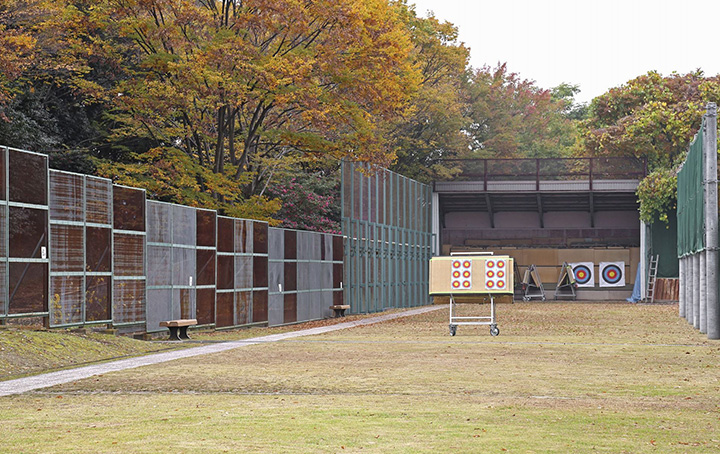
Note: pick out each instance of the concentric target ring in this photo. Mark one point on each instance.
(582, 274)
(612, 274)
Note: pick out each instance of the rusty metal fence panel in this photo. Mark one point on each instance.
(305, 275)
(81, 256)
(25, 222)
(76, 250)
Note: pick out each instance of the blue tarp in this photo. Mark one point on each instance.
(636, 296)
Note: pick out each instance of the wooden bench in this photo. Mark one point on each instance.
(178, 328)
(340, 309)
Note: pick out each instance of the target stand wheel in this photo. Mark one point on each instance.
(494, 330)
(453, 330)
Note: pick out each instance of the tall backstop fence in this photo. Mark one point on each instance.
(697, 217)
(386, 220)
(78, 250)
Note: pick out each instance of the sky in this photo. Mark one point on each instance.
(594, 44)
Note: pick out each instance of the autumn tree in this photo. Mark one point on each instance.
(239, 86)
(16, 51)
(513, 117)
(56, 66)
(433, 127)
(310, 200)
(651, 117)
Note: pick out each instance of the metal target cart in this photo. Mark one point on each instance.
(472, 275)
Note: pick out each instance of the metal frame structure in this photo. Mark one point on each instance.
(473, 275)
(386, 222)
(54, 320)
(540, 169)
(232, 255)
(122, 279)
(174, 247)
(455, 321)
(7, 205)
(698, 230)
(325, 270)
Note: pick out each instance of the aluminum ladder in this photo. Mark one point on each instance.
(652, 275)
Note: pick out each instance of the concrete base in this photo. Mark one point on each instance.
(595, 294)
(604, 294)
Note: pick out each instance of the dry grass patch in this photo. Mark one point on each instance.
(26, 351)
(561, 377)
(216, 423)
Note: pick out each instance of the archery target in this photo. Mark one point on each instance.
(583, 271)
(495, 274)
(612, 274)
(471, 275)
(461, 274)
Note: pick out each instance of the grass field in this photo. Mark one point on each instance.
(561, 377)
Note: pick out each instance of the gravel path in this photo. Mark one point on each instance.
(22, 385)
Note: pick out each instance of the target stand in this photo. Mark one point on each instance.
(471, 275)
(532, 285)
(566, 284)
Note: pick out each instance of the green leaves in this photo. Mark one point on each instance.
(651, 116)
(657, 194)
(512, 117)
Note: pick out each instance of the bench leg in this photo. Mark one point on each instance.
(339, 313)
(173, 333)
(183, 333)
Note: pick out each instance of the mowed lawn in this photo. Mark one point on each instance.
(561, 378)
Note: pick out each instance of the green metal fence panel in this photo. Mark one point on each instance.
(387, 229)
(690, 205)
(663, 243)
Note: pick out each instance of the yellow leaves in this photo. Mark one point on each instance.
(256, 207)
(228, 89)
(170, 175)
(16, 52)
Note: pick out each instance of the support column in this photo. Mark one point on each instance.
(702, 314)
(643, 260)
(682, 286)
(711, 222)
(435, 228)
(691, 289)
(696, 291)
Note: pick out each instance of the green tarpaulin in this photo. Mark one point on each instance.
(690, 206)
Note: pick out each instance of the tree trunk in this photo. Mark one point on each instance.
(220, 147)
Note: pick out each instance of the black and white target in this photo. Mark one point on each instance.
(612, 274)
(583, 271)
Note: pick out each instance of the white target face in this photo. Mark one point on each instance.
(496, 274)
(461, 278)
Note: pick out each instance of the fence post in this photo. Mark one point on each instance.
(682, 287)
(711, 221)
(695, 322)
(691, 289)
(702, 313)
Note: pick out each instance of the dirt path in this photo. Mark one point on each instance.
(22, 385)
